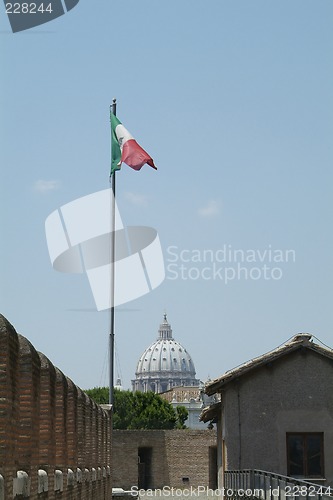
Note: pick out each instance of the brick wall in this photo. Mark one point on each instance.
(55, 442)
(177, 458)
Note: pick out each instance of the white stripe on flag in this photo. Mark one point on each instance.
(123, 135)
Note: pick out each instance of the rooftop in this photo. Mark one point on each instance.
(299, 341)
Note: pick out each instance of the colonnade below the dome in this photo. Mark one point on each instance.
(158, 385)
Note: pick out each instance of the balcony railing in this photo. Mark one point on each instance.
(269, 486)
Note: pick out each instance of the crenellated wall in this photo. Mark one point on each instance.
(55, 442)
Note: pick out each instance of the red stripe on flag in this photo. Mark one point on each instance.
(135, 156)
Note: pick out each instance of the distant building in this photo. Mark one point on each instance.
(118, 385)
(164, 364)
(193, 399)
(276, 413)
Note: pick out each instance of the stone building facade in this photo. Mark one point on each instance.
(276, 413)
(151, 459)
(193, 399)
(55, 442)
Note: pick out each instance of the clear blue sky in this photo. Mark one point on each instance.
(233, 100)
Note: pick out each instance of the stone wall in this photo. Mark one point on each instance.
(293, 394)
(172, 458)
(55, 442)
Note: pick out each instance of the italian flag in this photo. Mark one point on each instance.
(125, 148)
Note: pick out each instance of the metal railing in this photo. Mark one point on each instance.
(269, 486)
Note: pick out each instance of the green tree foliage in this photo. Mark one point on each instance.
(99, 394)
(182, 415)
(141, 410)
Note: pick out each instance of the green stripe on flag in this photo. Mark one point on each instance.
(115, 148)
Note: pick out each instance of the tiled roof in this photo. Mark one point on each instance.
(299, 341)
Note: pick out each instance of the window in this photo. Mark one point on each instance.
(145, 468)
(305, 454)
(213, 467)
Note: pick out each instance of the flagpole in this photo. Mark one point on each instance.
(113, 109)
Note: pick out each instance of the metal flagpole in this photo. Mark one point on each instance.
(113, 109)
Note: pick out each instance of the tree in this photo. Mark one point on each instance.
(99, 394)
(182, 415)
(141, 410)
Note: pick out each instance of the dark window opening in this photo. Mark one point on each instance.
(305, 455)
(144, 472)
(213, 467)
